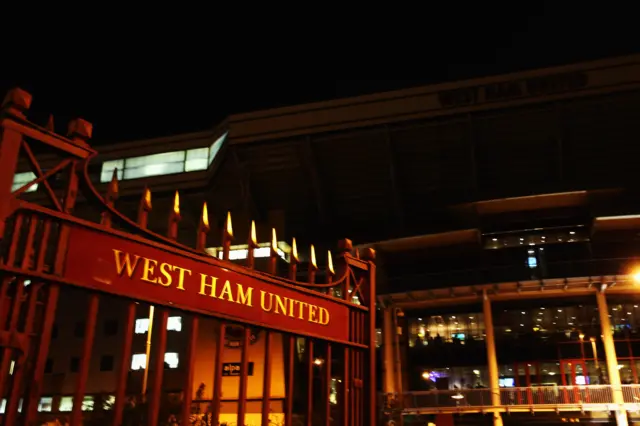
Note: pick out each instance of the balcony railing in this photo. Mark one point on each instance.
(552, 398)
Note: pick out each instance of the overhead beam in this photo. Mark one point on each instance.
(311, 166)
(396, 199)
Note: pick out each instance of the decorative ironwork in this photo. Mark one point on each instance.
(41, 237)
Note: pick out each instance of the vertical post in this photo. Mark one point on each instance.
(611, 358)
(156, 389)
(244, 376)
(201, 243)
(370, 338)
(15, 104)
(345, 247)
(268, 337)
(387, 348)
(290, 346)
(217, 374)
(85, 360)
(492, 360)
(310, 363)
(328, 361)
(123, 371)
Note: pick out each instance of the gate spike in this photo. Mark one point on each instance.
(293, 261)
(50, 126)
(203, 228)
(313, 267)
(16, 102)
(273, 252)
(330, 271)
(227, 237)
(145, 208)
(174, 218)
(112, 191)
(251, 245)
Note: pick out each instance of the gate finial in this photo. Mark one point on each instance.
(80, 131)
(16, 102)
(252, 244)
(313, 267)
(174, 218)
(273, 252)
(293, 261)
(330, 271)
(145, 208)
(227, 237)
(203, 228)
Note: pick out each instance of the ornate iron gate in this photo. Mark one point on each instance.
(45, 247)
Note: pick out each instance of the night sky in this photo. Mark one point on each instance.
(150, 90)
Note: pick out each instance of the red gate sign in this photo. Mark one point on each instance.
(117, 265)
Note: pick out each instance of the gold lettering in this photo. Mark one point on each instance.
(226, 290)
(301, 310)
(127, 262)
(292, 305)
(262, 301)
(204, 284)
(324, 316)
(165, 270)
(281, 305)
(181, 276)
(149, 268)
(313, 311)
(245, 298)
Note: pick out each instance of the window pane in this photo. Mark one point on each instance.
(174, 324)
(66, 404)
(142, 325)
(215, 147)
(138, 361)
(108, 403)
(197, 159)
(20, 179)
(162, 158)
(171, 359)
(107, 170)
(153, 170)
(46, 404)
(87, 403)
(3, 405)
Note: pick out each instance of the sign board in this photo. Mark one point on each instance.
(121, 266)
(233, 369)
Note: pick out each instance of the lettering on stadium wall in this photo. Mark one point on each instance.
(537, 86)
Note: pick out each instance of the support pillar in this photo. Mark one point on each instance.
(492, 359)
(387, 348)
(611, 357)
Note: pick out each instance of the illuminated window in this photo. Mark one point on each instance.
(3, 405)
(46, 404)
(138, 361)
(159, 164)
(171, 359)
(215, 148)
(174, 324)
(66, 404)
(87, 403)
(20, 179)
(107, 170)
(154, 165)
(142, 325)
(12, 366)
(196, 159)
(108, 402)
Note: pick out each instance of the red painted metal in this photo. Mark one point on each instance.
(46, 244)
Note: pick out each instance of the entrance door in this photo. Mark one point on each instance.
(574, 377)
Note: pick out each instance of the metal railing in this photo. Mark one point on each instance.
(554, 397)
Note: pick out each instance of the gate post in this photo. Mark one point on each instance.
(15, 103)
(370, 255)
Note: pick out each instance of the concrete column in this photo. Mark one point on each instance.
(492, 359)
(387, 348)
(611, 357)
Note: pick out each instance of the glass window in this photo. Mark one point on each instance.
(20, 179)
(46, 404)
(87, 403)
(106, 363)
(197, 159)
(142, 325)
(66, 404)
(174, 324)
(154, 165)
(138, 361)
(215, 147)
(108, 402)
(171, 359)
(3, 405)
(107, 170)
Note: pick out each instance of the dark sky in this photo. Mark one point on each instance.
(145, 89)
